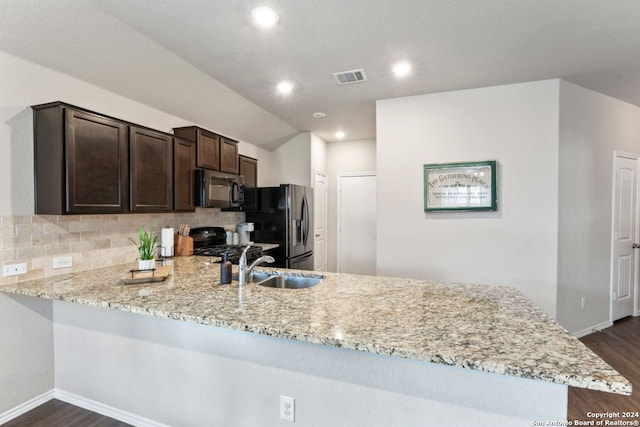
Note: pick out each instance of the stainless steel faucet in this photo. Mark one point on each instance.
(244, 271)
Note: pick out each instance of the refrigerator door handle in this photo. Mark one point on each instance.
(294, 233)
(308, 220)
(302, 221)
(309, 255)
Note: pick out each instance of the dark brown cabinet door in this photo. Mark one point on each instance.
(207, 145)
(249, 170)
(151, 170)
(184, 163)
(229, 155)
(96, 159)
(208, 150)
(213, 151)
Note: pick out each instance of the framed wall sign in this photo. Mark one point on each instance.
(469, 186)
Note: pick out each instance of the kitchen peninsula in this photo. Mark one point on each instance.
(190, 352)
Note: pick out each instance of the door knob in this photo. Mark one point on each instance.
(635, 246)
(317, 235)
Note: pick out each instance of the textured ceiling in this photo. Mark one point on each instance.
(204, 61)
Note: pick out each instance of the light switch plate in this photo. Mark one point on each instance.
(62, 262)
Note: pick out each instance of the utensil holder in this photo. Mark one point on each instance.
(183, 246)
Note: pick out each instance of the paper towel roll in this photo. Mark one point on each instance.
(166, 238)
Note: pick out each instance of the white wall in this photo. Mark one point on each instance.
(291, 162)
(294, 162)
(344, 157)
(319, 149)
(26, 350)
(517, 125)
(592, 127)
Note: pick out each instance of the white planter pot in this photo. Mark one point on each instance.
(146, 264)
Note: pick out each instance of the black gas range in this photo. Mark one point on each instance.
(211, 241)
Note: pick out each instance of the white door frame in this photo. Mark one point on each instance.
(339, 225)
(636, 257)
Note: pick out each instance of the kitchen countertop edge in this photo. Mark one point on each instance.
(613, 382)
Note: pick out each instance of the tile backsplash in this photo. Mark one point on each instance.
(92, 241)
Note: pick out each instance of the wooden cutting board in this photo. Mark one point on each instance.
(158, 275)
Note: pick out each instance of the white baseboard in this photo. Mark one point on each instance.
(82, 402)
(26, 407)
(106, 410)
(595, 328)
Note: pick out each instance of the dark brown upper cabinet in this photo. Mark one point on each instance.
(249, 170)
(81, 161)
(151, 170)
(229, 155)
(213, 151)
(207, 145)
(208, 150)
(184, 163)
(89, 163)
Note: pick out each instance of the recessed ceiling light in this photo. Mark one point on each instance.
(319, 115)
(265, 16)
(285, 87)
(339, 134)
(401, 69)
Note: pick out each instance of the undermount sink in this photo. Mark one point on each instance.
(284, 281)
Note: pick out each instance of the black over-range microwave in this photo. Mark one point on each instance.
(218, 189)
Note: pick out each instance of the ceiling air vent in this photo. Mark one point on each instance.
(350, 77)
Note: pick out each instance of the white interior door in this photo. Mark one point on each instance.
(320, 222)
(357, 224)
(623, 268)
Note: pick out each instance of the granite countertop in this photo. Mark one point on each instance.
(486, 328)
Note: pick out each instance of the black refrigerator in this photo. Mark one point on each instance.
(283, 215)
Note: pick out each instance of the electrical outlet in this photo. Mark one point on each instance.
(62, 262)
(583, 302)
(14, 269)
(287, 408)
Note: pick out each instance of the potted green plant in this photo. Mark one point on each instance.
(146, 248)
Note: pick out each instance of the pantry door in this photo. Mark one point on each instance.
(624, 239)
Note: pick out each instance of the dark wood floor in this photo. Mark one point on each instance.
(620, 347)
(56, 413)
